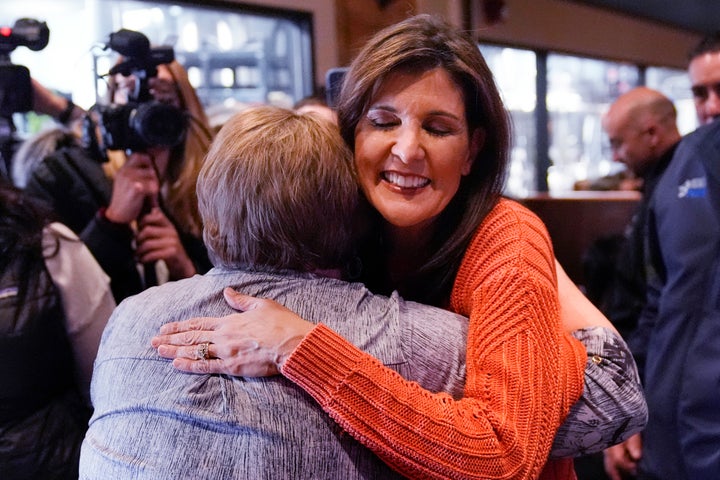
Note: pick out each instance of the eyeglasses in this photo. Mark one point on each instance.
(702, 92)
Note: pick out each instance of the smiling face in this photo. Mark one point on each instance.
(412, 147)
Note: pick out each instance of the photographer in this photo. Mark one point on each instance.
(139, 206)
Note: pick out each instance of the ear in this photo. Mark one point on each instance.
(477, 140)
(653, 132)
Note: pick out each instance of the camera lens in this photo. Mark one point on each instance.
(158, 124)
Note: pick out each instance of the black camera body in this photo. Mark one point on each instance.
(137, 126)
(16, 92)
(142, 122)
(15, 89)
(15, 85)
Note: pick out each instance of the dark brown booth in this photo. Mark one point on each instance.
(576, 219)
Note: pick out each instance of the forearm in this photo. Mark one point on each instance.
(418, 433)
(57, 106)
(576, 311)
(612, 407)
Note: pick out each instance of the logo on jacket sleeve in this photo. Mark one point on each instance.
(693, 188)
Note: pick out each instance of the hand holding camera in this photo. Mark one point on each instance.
(157, 239)
(135, 183)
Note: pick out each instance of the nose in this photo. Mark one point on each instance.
(408, 145)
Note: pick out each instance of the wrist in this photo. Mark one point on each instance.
(286, 349)
(67, 113)
(106, 215)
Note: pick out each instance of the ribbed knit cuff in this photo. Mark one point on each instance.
(321, 363)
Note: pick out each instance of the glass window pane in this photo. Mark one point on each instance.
(515, 74)
(675, 83)
(579, 92)
(232, 55)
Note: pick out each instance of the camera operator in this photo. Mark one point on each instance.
(139, 207)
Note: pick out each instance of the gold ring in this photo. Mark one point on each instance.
(203, 351)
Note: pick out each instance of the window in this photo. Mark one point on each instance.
(579, 92)
(515, 75)
(675, 84)
(233, 55)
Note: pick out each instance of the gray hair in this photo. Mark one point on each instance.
(278, 190)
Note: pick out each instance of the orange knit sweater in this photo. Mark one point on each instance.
(523, 372)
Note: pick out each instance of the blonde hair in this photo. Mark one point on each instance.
(179, 193)
(278, 190)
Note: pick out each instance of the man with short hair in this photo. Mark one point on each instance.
(641, 126)
(704, 72)
(642, 129)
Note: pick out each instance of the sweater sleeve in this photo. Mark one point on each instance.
(523, 373)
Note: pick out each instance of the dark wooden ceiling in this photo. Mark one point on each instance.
(699, 16)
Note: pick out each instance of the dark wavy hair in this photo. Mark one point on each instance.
(419, 44)
(22, 220)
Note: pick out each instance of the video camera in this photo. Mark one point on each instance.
(16, 93)
(142, 122)
(15, 86)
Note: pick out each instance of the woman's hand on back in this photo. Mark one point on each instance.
(253, 343)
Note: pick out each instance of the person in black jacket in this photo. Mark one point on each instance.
(138, 208)
(54, 303)
(642, 129)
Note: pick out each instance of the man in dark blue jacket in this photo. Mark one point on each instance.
(678, 339)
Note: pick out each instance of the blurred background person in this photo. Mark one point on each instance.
(32, 151)
(54, 303)
(704, 72)
(316, 104)
(641, 126)
(138, 207)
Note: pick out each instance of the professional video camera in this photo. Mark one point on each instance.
(142, 122)
(15, 86)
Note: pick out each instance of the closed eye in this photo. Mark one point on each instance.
(383, 124)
